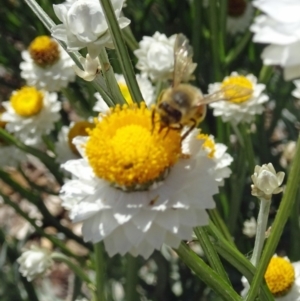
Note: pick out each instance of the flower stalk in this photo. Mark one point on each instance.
(100, 272)
(131, 278)
(108, 74)
(210, 252)
(262, 221)
(122, 51)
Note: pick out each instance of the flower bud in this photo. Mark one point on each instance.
(34, 262)
(266, 181)
(91, 67)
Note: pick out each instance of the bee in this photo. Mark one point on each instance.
(184, 105)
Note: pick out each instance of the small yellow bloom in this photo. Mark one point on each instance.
(280, 276)
(27, 101)
(240, 81)
(44, 51)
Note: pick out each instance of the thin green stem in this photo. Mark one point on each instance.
(196, 10)
(238, 49)
(131, 278)
(130, 39)
(122, 52)
(248, 146)
(222, 28)
(206, 274)
(110, 79)
(210, 252)
(231, 254)
(282, 216)
(265, 74)
(80, 105)
(262, 221)
(214, 38)
(295, 231)
(218, 221)
(75, 267)
(100, 272)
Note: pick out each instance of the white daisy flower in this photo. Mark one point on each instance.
(31, 113)
(243, 108)
(156, 57)
(240, 13)
(250, 226)
(46, 65)
(133, 189)
(279, 27)
(84, 25)
(64, 148)
(282, 278)
(34, 262)
(217, 152)
(145, 86)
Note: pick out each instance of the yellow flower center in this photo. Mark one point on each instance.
(237, 88)
(27, 101)
(236, 8)
(129, 150)
(44, 51)
(280, 276)
(125, 92)
(208, 145)
(78, 129)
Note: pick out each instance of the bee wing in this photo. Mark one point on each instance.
(236, 91)
(183, 53)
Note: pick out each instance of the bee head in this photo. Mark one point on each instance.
(168, 114)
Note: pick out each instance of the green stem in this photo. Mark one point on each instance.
(206, 274)
(80, 105)
(218, 221)
(131, 279)
(230, 253)
(222, 28)
(265, 74)
(210, 252)
(262, 221)
(110, 79)
(196, 10)
(248, 146)
(214, 38)
(100, 272)
(130, 39)
(122, 52)
(282, 216)
(239, 47)
(75, 267)
(295, 231)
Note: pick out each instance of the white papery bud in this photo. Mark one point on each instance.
(266, 181)
(91, 67)
(34, 262)
(249, 228)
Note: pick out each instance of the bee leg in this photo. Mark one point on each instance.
(189, 130)
(152, 120)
